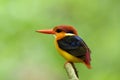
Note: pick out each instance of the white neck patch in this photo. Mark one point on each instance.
(66, 34)
(69, 34)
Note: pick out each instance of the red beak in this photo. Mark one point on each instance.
(49, 31)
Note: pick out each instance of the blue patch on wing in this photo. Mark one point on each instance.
(73, 45)
(76, 41)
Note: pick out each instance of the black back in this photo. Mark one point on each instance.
(74, 45)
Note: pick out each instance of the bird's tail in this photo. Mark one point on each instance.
(88, 65)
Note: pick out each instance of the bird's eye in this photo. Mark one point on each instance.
(58, 30)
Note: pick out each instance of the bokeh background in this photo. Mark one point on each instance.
(27, 55)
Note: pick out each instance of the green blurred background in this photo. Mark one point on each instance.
(27, 55)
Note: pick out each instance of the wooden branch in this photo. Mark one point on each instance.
(71, 71)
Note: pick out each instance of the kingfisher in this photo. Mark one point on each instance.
(69, 44)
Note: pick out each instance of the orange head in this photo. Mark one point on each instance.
(60, 31)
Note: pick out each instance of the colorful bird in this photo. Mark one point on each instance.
(69, 44)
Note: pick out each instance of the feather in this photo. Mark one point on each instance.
(75, 46)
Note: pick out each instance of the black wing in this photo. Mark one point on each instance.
(74, 45)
